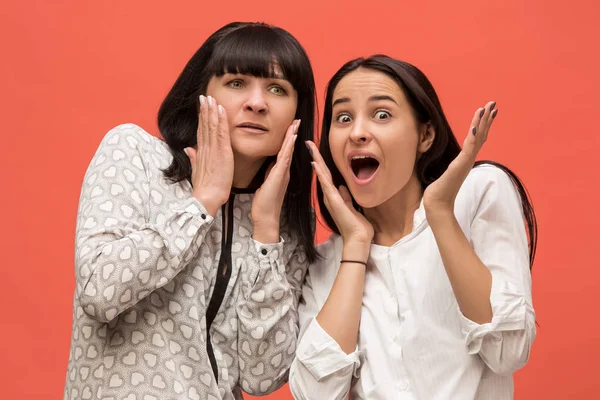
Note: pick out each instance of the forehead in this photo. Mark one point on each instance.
(364, 83)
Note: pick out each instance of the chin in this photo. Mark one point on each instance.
(253, 150)
(367, 201)
(364, 197)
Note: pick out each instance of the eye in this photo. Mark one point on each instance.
(381, 115)
(278, 90)
(235, 84)
(343, 119)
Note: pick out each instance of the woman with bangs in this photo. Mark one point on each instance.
(424, 289)
(188, 265)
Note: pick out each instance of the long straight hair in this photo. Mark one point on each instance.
(249, 49)
(427, 109)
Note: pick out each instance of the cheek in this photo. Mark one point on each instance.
(285, 114)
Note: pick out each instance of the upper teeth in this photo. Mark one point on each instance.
(359, 157)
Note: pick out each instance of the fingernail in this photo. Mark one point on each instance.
(186, 152)
(493, 105)
(481, 113)
(308, 147)
(210, 101)
(297, 125)
(313, 164)
(202, 100)
(220, 108)
(474, 130)
(494, 113)
(295, 137)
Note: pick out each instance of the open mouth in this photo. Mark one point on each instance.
(363, 166)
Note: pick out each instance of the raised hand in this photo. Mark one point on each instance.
(439, 196)
(212, 158)
(353, 226)
(268, 199)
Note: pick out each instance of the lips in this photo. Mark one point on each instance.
(364, 166)
(253, 126)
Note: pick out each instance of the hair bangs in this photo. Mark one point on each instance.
(258, 51)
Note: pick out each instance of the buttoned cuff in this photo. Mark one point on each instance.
(509, 311)
(322, 355)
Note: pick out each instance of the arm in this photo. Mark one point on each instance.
(490, 277)
(121, 256)
(268, 316)
(321, 369)
(326, 358)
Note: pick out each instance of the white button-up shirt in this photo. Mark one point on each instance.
(414, 342)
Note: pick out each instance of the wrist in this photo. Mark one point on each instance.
(439, 216)
(266, 234)
(210, 204)
(356, 251)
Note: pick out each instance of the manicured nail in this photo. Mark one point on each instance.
(494, 113)
(313, 164)
(210, 101)
(297, 124)
(474, 130)
(202, 100)
(493, 105)
(481, 113)
(220, 109)
(186, 152)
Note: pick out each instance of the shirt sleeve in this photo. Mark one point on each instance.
(499, 238)
(268, 315)
(121, 255)
(321, 369)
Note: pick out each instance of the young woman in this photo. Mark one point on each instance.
(188, 269)
(424, 290)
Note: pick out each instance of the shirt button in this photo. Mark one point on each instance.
(263, 252)
(403, 386)
(203, 216)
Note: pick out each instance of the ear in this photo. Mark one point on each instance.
(426, 136)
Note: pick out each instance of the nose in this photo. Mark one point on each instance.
(256, 101)
(360, 132)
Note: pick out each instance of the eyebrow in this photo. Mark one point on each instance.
(372, 98)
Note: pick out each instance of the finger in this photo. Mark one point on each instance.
(269, 170)
(470, 144)
(346, 196)
(203, 123)
(314, 152)
(486, 118)
(287, 149)
(223, 126)
(329, 190)
(213, 120)
(286, 153)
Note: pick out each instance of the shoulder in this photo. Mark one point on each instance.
(486, 179)
(130, 142)
(487, 186)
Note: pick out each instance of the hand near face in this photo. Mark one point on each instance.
(353, 226)
(439, 196)
(212, 159)
(268, 199)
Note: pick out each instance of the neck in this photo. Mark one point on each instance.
(393, 219)
(245, 170)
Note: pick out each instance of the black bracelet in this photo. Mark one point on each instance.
(354, 261)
